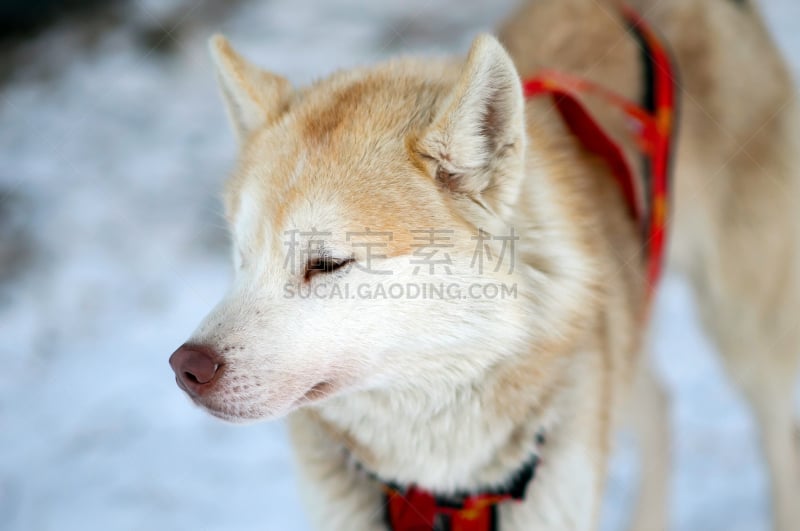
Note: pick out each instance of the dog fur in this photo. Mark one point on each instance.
(449, 394)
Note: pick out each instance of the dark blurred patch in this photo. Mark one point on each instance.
(16, 239)
(158, 34)
(157, 39)
(421, 32)
(162, 36)
(21, 19)
(21, 23)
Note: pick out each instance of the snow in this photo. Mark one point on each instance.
(113, 156)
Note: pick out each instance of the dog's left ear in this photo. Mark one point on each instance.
(253, 97)
(478, 138)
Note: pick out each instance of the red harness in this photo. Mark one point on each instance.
(652, 126)
(414, 509)
(417, 510)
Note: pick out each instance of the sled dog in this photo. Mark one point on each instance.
(444, 268)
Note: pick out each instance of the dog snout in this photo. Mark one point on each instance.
(196, 368)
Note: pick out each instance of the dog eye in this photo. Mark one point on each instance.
(325, 264)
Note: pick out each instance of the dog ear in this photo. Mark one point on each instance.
(253, 97)
(478, 138)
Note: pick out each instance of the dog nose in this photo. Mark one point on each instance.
(196, 368)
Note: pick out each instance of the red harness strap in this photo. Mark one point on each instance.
(414, 509)
(652, 124)
(418, 510)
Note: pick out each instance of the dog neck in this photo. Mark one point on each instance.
(475, 439)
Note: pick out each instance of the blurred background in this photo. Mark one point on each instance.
(112, 247)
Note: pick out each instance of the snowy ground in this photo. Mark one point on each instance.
(112, 249)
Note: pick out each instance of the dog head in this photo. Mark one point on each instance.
(372, 242)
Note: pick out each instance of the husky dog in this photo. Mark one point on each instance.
(438, 283)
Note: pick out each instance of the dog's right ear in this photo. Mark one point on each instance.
(253, 97)
(478, 138)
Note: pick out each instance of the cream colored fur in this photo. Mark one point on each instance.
(449, 394)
